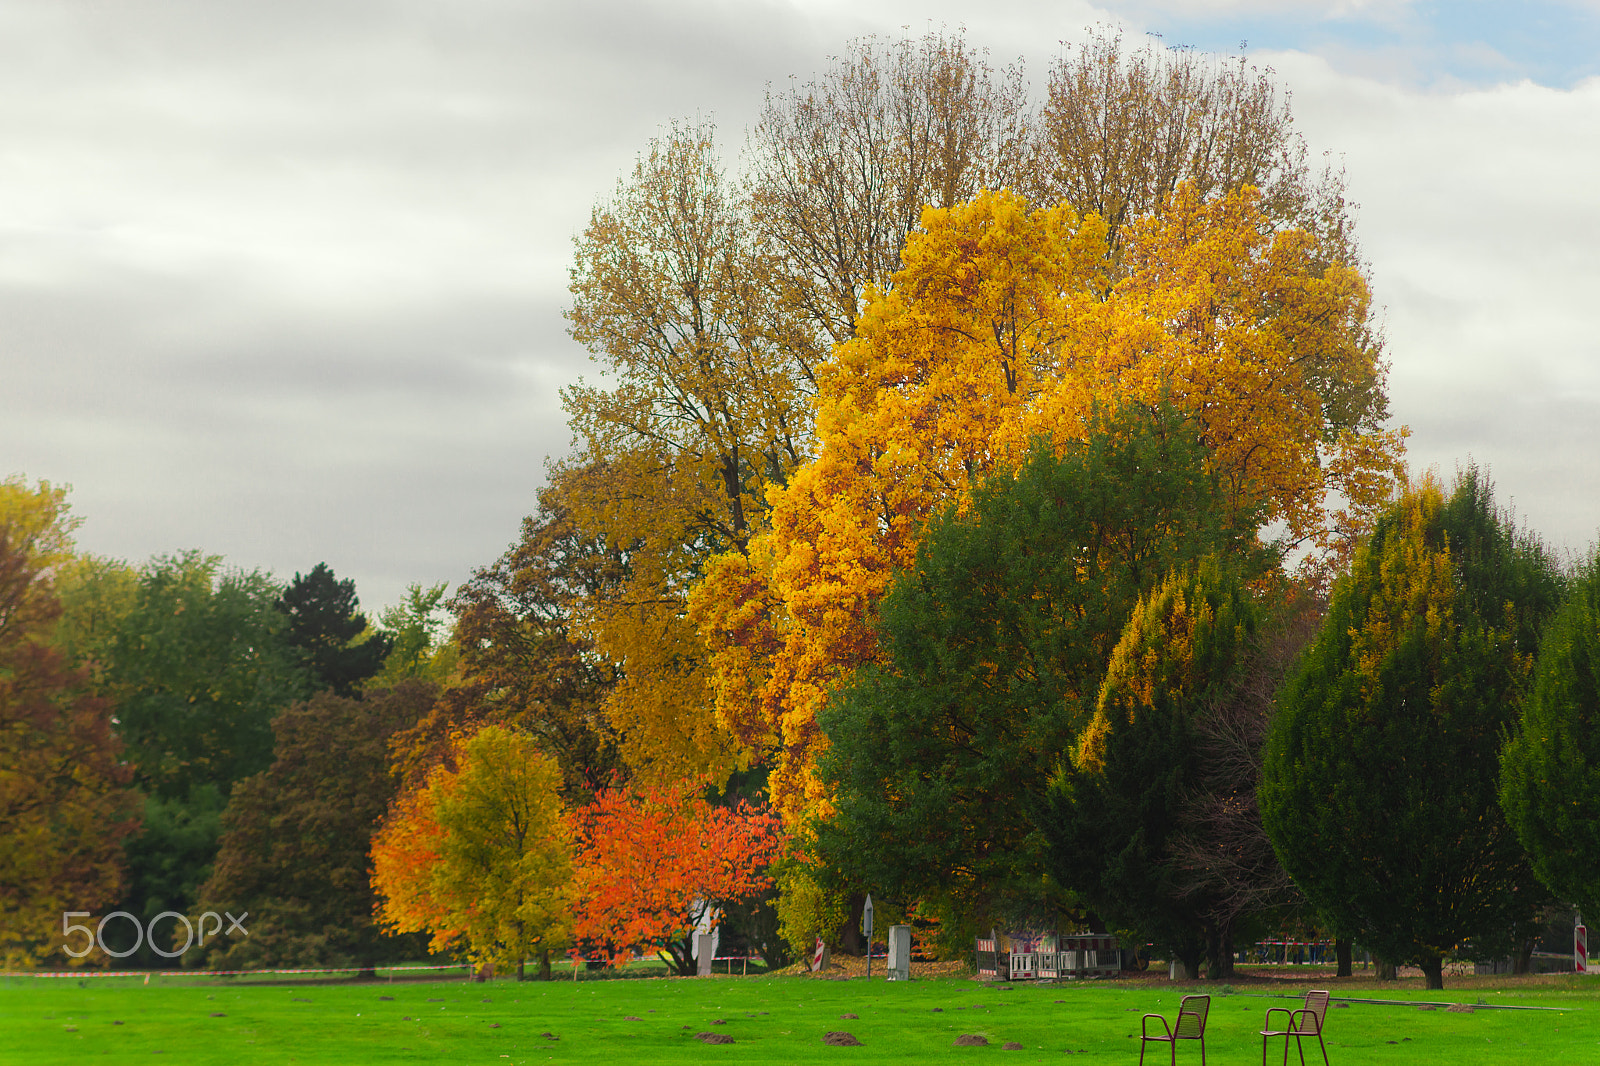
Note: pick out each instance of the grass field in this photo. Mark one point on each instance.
(770, 1019)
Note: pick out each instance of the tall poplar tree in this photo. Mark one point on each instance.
(1379, 784)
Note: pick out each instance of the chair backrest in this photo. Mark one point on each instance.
(1316, 1008)
(1192, 1018)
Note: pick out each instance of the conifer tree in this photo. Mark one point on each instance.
(1379, 783)
(1550, 771)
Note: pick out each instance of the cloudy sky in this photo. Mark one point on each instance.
(284, 281)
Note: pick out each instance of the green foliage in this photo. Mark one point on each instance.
(198, 668)
(193, 659)
(296, 836)
(416, 651)
(167, 861)
(1379, 783)
(997, 641)
(1550, 770)
(805, 908)
(1116, 813)
(323, 627)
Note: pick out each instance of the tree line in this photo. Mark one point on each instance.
(986, 504)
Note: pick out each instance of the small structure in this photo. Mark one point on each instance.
(989, 960)
(899, 953)
(705, 951)
(820, 956)
(1046, 956)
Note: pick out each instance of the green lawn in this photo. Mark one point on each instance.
(771, 1020)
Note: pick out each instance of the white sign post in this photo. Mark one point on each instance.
(866, 927)
(1580, 947)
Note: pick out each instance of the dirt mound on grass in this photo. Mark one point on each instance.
(841, 1040)
(713, 1038)
(971, 1040)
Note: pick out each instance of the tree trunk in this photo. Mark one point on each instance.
(850, 935)
(544, 965)
(369, 970)
(1342, 950)
(1220, 947)
(1522, 961)
(1384, 970)
(522, 968)
(1433, 970)
(683, 957)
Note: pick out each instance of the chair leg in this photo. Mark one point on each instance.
(1324, 1048)
(1298, 1046)
(1202, 1050)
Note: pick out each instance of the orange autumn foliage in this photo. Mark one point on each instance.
(403, 851)
(651, 862)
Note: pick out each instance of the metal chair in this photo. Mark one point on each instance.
(1307, 1021)
(1191, 1025)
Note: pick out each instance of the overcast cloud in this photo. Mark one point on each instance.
(284, 282)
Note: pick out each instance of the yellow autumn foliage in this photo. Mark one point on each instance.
(1002, 326)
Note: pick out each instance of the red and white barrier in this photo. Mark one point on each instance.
(147, 974)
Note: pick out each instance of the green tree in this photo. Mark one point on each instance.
(417, 649)
(324, 628)
(194, 661)
(998, 639)
(1550, 770)
(198, 668)
(1379, 782)
(296, 836)
(1117, 812)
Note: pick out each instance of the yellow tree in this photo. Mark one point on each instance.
(702, 412)
(483, 855)
(1002, 325)
(712, 305)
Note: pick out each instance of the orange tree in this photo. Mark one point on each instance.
(653, 863)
